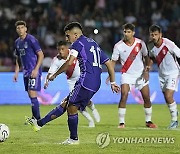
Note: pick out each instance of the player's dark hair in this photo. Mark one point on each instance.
(154, 28)
(129, 26)
(60, 43)
(20, 22)
(72, 25)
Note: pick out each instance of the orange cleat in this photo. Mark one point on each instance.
(121, 125)
(150, 124)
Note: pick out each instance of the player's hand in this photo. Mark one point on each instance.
(15, 77)
(46, 84)
(52, 77)
(115, 88)
(107, 80)
(34, 73)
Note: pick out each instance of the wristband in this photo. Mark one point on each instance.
(112, 82)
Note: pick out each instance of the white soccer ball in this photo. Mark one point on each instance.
(4, 132)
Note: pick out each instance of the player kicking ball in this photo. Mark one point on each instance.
(90, 58)
(72, 74)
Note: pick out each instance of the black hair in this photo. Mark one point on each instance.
(72, 25)
(129, 26)
(154, 28)
(20, 22)
(60, 43)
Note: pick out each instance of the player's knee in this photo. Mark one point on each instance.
(168, 97)
(124, 96)
(72, 109)
(147, 100)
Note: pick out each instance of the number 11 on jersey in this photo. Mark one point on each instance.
(96, 55)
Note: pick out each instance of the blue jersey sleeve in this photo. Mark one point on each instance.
(77, 46)
(35, 45)
(104, 57)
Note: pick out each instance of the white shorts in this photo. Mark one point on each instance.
(133, 80)
(169, 82)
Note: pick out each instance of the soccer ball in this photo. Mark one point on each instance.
(4, 132)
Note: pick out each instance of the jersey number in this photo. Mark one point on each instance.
(32, 82)
(96, 55)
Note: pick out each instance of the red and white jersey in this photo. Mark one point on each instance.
(72, 73)
(165, 57)
(130, 56)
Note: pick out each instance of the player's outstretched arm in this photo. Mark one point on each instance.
(63, 68)
(46, 83)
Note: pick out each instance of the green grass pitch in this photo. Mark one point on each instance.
(23, 140)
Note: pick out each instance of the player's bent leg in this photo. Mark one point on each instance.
(55, 113)
(88, 117)
(95, 112)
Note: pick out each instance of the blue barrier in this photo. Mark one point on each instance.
(13, 93)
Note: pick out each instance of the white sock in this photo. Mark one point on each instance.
(148, 113)
(87, 116)
(121, 113)
(92, 106)
(173, 111)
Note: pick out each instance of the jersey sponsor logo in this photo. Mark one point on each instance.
(161, 55)
(131, 57)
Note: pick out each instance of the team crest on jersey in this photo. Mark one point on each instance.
(164, 52)
(137, 49)
(25, 45)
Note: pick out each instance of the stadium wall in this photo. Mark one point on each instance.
(13, 93)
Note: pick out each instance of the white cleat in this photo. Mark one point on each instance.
(33, 123)
(70, 141)
(173, 125)
(91, 124)
(96, 115)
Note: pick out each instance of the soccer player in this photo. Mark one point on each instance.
(165, 52)
(27, 48)
(73, 74)
(91, 58)
(131, 51)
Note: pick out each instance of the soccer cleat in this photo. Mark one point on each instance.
(150, 124)
(96, 115)
(91, 124)
(121, 125)
(173, 125)
(70, 141)
(33, 123)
